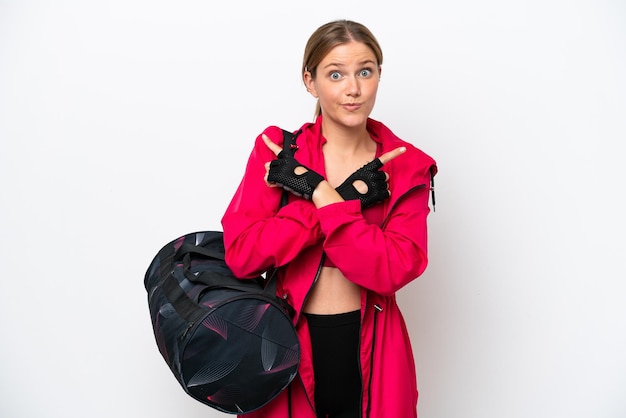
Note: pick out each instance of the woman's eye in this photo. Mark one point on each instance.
(365, 72)
(335, 75)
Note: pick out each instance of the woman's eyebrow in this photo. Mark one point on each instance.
(337, 64)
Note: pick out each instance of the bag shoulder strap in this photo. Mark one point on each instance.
(289, 141)
(290, 147)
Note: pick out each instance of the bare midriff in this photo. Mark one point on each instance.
(333, 294)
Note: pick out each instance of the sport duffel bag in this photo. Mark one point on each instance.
(230, 343)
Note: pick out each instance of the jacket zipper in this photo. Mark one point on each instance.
(308, 293)
(305, 394)
(358, 355)
(377, 309)
(306, 297)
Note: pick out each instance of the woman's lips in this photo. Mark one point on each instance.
(351, 106)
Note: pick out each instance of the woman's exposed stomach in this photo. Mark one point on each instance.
(333, 294)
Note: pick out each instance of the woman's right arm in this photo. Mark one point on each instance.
(257, 234)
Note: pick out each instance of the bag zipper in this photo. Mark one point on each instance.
(244, 295)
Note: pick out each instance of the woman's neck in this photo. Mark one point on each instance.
(347, 142)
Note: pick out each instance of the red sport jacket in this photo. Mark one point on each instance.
(380, 258)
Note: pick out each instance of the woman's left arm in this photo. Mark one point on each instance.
(380, 259)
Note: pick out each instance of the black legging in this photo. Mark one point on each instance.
(335, 341)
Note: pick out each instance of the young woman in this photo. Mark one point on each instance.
(352, 234)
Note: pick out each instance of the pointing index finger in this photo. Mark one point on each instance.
(388, 156)
(276, 149)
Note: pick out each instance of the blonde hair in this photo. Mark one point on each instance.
(330, 35)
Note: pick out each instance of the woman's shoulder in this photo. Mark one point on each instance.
(274, 132)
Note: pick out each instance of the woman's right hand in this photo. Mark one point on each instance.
(288, 173)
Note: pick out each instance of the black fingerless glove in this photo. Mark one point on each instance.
(375, 180)
(282, 173)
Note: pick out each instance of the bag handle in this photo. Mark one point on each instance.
(185, 249)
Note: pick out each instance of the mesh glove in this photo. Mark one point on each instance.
(282, 173)
(376, 181)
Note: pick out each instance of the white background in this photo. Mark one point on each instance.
(124, 124)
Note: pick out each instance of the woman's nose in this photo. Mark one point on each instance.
(353, 87)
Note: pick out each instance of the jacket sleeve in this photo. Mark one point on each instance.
(257, 235)
(379, 259)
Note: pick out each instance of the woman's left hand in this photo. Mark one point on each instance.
(369, 184)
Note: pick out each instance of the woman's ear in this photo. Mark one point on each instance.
(309, 82)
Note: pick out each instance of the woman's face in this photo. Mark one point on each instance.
(346, 83)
